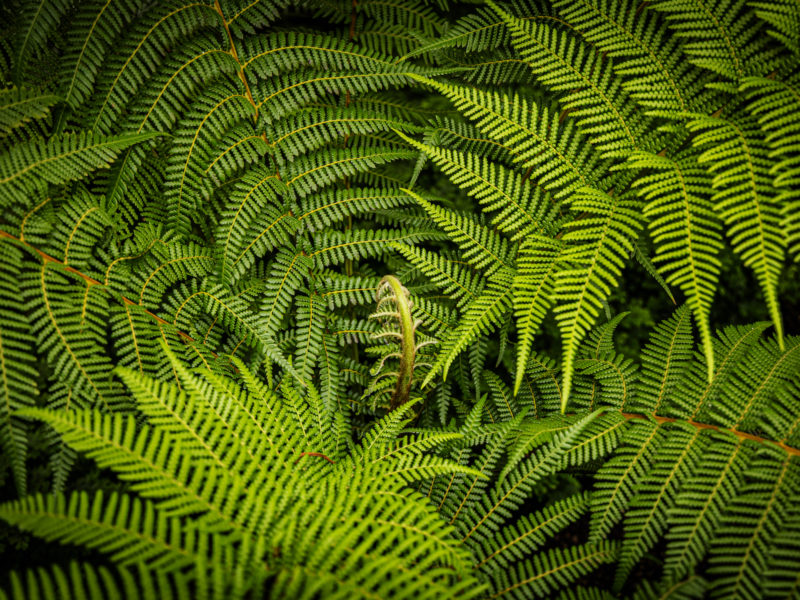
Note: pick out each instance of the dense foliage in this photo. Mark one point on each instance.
(363, 298)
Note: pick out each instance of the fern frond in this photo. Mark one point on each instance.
(482, 315)
(19, 106)
(18, 376)
(39, 20)
(60, 159)
(695, 391)
(652, 67)
(745, 200)
(480, 246)
(665, 359)
(722, 36)
(537, 264)
(522, 207)
(603, 111)
(685, 232)
(96, 26)
(595, 251)
(557, 155)
(646, 518)
(775, 103)
(80, 581)
(784, 16)
(551, 570)
(530, 533)
(129, 530)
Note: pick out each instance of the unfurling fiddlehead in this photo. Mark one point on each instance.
(394, 310)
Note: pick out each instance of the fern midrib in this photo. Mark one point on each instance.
(742, 434)
(235, 56)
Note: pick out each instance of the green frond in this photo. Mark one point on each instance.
(533, 293)
(18, 387)
(480, 246)
(752, 384)
(784, 16)
(97, 25)
(740, 557)
(603, 111)
(331, 206)
(665, 359)
(335, 247)
(39, 19)
(700, 502)
(68, 323)
(131, 531)
(745, 198)
(695, 391)
(60, 159)
(459, 283)
(522, 207)
(616, 482)
(722, 36)
(593, 259)
(558, 157)
(19, 106)
(202, 203)
(605, 378)
(79, 581)
(652, 67)
(254, 222)
(530, 533)
(775, 103)
(481, 317)
(646, 518)
(685, 232)
(552, 570)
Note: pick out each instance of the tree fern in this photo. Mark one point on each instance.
(350, 299)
